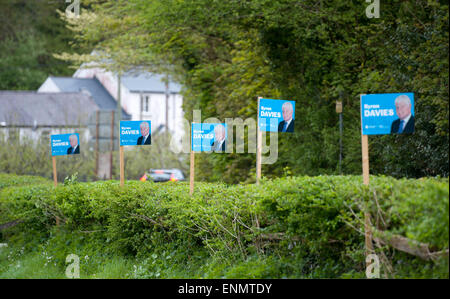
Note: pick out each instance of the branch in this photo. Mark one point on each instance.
(10, 224)
(148, 219)
(412, 247)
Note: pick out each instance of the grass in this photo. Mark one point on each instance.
(37, 265)
(14, 264)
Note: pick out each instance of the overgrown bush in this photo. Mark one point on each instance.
(288, 227)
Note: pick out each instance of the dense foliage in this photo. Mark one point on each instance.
(30, 32)
(227, 53)
(293, 227)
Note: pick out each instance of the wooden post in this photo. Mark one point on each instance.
(258, 147)
(191, 173)
(365, 169)
(365, 166)
(55, 177)
(167, 106)
(97, 132)
(112, 146)
(122, 167)
(365, 158)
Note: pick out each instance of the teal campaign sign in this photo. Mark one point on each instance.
(65, 144)
(388, 113)
(135, 132)
(276, 115)
(207, 137)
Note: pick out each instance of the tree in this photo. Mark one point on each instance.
(226, 53)
(30, 31)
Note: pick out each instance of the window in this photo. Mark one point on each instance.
(45, 134)
(145, 103)
(14, 134)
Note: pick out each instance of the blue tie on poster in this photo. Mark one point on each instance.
(400, 129)
(135, 132)
(206, 137)
(387, 113)
(65, 144)
(276, 115)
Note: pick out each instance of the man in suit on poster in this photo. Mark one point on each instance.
(74, 146)
(219, 143)
(405, 121)
(287, 124)
(146, 138)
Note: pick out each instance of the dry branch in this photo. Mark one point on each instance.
(10, 224)
(412, 247)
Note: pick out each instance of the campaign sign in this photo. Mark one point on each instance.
(389, 113)
(208, 137)
(65, 144)
(276, 115)
(135, 132)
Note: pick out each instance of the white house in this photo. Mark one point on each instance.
(144, 96)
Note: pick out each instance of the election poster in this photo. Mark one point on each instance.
(135, 132)
(276, 115)
(65, 144)
(389, 113)
(208, 137)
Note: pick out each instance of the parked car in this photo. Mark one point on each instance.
(164, 175)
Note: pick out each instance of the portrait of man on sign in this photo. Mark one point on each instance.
(405, 121)
(145, 138)
(74, 146)
(287, 124)
(219, 142)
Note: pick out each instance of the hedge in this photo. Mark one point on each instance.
(308, 226)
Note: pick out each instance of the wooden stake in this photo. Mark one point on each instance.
(55, 177)
(258, 147)
(97, 131)
(365, 166)
(368, 233)
(112, 146)
(191, 173)
(122, 167)
(365, 158)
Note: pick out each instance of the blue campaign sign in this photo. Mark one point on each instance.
(388, 113)
(208, 137)
(65, 144)
(135, 132)
(276, 115)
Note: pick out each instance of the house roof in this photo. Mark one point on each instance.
(148, 82)
(91, 86)
(137, 79)
(30, 108)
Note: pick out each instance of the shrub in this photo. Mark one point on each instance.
(300, 226)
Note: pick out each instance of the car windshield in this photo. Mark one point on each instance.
(166, 174)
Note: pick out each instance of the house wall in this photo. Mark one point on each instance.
(27, 133)
(107, 79)
(48, 86)
(157, 111)
(131, 102)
